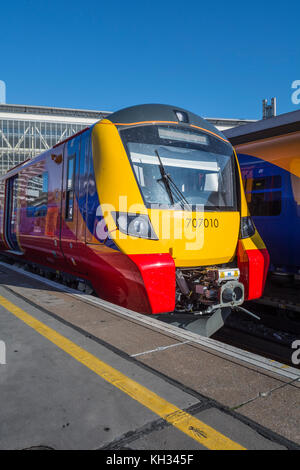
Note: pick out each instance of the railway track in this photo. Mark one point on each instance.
(266, 337)
(278, 327)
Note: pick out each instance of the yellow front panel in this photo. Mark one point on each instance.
(192, 238)
(207, 238)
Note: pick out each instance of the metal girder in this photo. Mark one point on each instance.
(21, 139)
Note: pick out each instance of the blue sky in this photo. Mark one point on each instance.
(217, 59)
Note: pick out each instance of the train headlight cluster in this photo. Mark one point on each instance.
(136, 225)
(247, 227)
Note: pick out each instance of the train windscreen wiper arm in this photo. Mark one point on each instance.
(168, 181)
(164, 178)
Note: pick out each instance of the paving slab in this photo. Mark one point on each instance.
(278, 410)
(216, 377)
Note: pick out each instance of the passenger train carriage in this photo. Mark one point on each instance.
(147, 205)
(269, 156)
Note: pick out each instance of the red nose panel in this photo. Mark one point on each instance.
(253, 265)
(158, 274)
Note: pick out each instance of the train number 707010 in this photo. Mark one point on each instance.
(202, 222)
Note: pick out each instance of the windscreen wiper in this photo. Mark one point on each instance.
(165, 178)
(171, 185)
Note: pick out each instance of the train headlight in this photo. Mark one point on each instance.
(247, 227)
(136, 225)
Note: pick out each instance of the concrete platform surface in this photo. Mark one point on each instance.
(78, 376)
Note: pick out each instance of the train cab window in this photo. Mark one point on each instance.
(37, 195)
(200, 168)
(70, 188)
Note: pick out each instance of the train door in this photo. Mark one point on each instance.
(70, 214)
(94, 220)
(83, 189)
(11, 214)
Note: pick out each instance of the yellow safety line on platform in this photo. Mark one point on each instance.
(193, 427)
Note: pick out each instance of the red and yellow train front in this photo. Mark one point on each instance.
(174, 209)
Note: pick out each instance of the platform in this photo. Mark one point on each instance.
(83, 374)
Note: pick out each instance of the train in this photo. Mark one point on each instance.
(269, 157)
(147, 206)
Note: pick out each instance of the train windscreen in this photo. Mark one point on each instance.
(179, 166)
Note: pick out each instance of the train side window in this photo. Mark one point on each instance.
(37, 195)
(266, 182)
(70, 188)
(265, 203)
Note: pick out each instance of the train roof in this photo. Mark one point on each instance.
(145, 113)
(278, 125)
